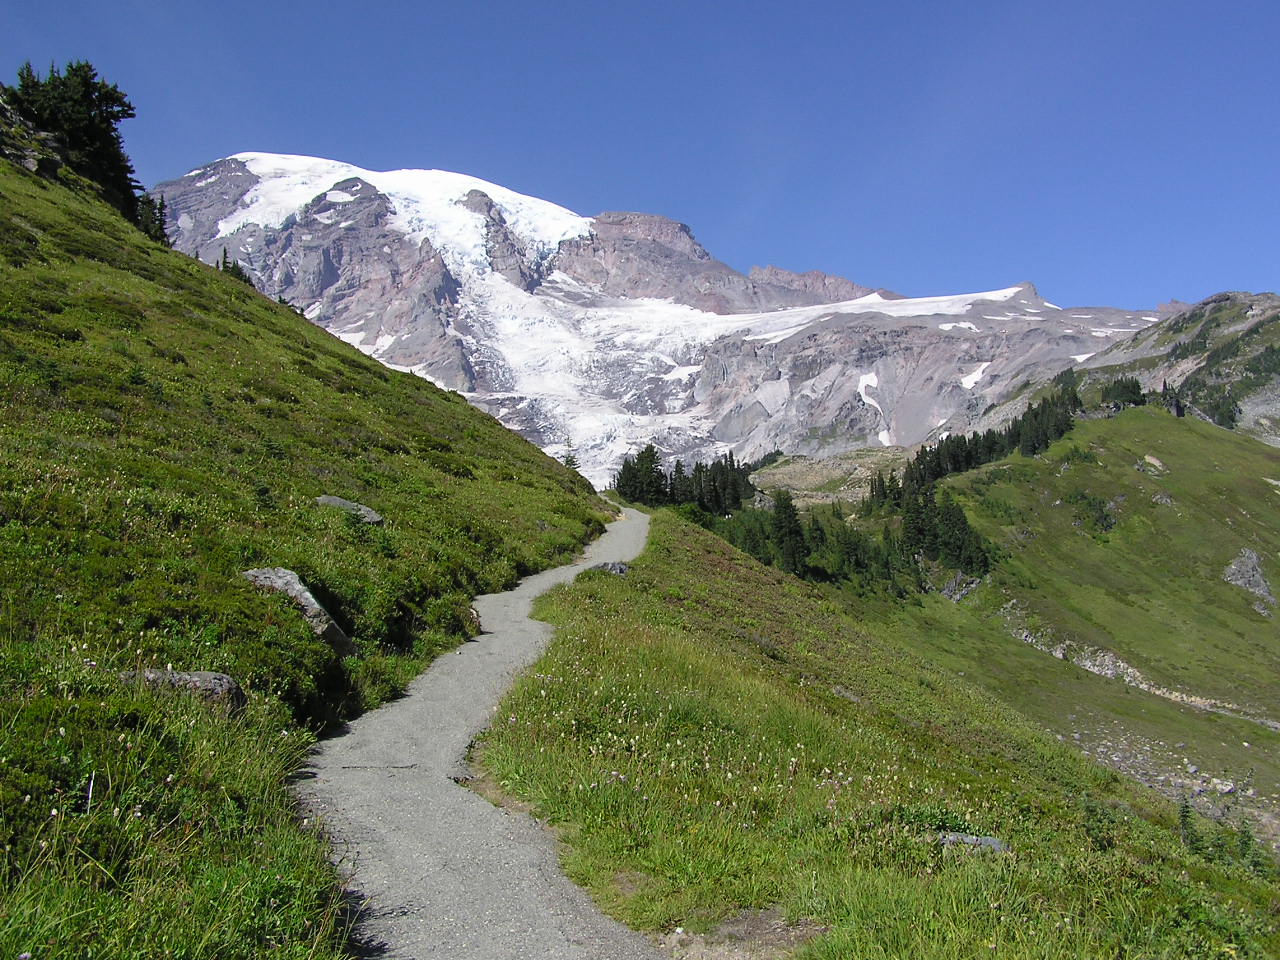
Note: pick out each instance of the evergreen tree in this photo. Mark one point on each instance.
(679, 489)
(153, 218)
(570, 459)
(82, 111)
(652, 485)
(788, 534)
(232, 268)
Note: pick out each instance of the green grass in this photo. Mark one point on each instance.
(1148, 588)
(1147, 583)
(712, 735)
(163, 428)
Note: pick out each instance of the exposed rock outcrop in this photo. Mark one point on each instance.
(613, 566)
(366, 514)
(994, 844)
(290, 584)
(1245, 571)
(213, 687)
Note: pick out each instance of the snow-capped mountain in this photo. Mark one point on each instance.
(611, 331)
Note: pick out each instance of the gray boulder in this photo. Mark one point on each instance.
(613, 566)
(994, 844)
(209, 686)
(367, 514)
(290, 584)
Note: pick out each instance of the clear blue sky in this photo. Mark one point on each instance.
(1119, 152)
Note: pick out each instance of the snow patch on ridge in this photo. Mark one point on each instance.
(970, 380)
(868, 380)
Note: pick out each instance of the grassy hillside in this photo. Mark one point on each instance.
(1113, 545)
(163, 428)
(711, 735)
(1119, 535)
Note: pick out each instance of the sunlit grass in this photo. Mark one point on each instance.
(713, 736)
(163, 428)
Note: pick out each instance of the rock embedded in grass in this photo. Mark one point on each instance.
(365, 514)
(290, 584)
(1245, 571)
(994, 844)
(205, 684)
(617, 569)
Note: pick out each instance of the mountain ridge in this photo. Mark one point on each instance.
(612, 331)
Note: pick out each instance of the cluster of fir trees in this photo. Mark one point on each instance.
(1031, 433)
(82, 112)
(718, 487)
(1125, 391)
(233, 268)
(820, 547)
(824, 547)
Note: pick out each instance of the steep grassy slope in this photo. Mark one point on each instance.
(713, 735)
(163, 428)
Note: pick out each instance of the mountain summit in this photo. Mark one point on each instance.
(610, 331)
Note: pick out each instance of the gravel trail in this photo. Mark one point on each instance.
(443, 872)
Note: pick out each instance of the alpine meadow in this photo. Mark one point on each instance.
(951, 634)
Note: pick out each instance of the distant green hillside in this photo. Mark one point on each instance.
(163, 428)
(713, 736)
(1114, 545)
(1222, 357)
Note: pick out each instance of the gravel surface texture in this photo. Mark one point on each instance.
(441, 871)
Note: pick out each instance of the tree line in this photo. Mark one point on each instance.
(718, 487)
(1031, 433)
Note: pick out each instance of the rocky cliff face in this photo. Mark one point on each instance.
(616, 330)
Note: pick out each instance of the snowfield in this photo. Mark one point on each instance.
(427, 205)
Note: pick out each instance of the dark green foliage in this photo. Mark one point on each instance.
(1092, 512)
(1029, 434)
(788, 535)
(717, 487)
(1125, 391)
(153, 218)
(82, 111)
(570, 458)
(232, 268)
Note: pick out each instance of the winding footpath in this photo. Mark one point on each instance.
(442, 872)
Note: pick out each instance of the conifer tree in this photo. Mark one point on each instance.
(570, 458)
(788, 534)
(82, 111)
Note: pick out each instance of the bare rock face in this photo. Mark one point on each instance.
(356, 275)
(358, 510)
(637, 255)
(822, 287)
(290, 584)
(506, 253)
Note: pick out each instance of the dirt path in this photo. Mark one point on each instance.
(442, 871)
